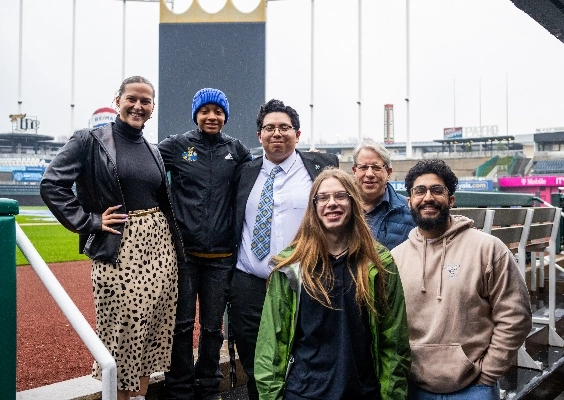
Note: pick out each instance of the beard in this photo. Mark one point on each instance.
(429, 224)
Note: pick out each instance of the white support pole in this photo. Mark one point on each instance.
(73, 56)
(359, 101)
(454, 103)
(480, 103)
(540, 278)
(123, 45)
(408, 146)
(507, 103)
(312, 145)
(20, 63)
(535, 256)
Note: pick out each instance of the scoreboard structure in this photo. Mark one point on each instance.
(224, 50)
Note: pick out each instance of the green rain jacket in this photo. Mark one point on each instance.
(390, 346)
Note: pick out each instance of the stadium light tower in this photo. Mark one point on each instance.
(73, 65)
(20, 60)
(311, 90)
(359, 101)
(123, 31)
(312, 137)
(408, 146)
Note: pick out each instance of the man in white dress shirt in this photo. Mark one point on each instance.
(278, 130)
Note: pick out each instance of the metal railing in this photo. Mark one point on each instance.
(73, 314)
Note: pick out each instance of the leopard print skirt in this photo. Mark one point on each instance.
(135, 300)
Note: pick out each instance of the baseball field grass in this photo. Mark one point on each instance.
(53, 242)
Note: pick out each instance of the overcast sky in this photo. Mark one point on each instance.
(464, 55)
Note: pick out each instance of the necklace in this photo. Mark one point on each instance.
(340, 254)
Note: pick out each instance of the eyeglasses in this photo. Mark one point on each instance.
(281, 128)
(323, 198)
(436, 190)
(375, 167)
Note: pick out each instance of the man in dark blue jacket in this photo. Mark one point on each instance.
(386, 211)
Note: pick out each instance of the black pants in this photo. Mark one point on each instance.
(246, 294)
(206, 279)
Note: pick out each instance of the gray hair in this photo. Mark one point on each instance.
(377, 147)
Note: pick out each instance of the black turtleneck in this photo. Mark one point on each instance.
(139, 175)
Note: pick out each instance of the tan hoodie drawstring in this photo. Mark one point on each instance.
(423, 289)
(441, 270)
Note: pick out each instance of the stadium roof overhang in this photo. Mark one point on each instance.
(488, 139)
(24, 137)
(549, 137)
(548, 13)
(17, 142)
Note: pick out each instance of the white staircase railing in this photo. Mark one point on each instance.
(73, 314)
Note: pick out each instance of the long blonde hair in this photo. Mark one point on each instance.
(310, 245)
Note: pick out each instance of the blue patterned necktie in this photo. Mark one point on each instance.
(260, 245)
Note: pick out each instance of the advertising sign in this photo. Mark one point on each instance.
(397, 185)
(475, 185)
(481, 131)
(453, 133)
(102, 116)
(21, 168)
(531, 181)
(478, 186)
(21, 123)
(25, 176)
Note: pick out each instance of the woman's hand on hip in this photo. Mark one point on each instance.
(109, 218)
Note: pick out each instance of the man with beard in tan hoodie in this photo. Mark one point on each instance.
(468, 308)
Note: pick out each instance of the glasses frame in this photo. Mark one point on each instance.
(279, 128)
(344, 201)
(429, 189)
(374, 167)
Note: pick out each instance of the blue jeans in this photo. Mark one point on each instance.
(470, 392)
(206, 279)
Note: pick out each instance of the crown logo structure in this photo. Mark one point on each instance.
(196, 14)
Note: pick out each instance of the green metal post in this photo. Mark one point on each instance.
(8, 208)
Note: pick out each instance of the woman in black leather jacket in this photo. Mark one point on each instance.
(123, 214)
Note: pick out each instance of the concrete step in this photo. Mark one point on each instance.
(527, 384)
(88, 388)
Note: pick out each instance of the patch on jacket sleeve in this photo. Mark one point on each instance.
(190, 155)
